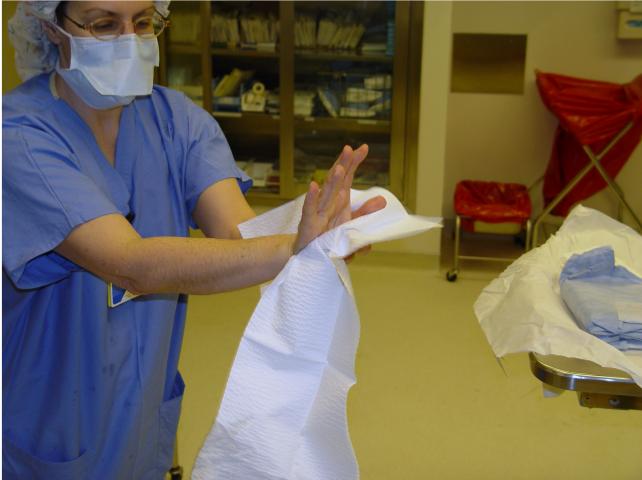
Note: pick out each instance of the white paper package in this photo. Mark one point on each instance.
(522, 310)
(283, 414)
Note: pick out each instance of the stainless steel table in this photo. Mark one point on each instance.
(596, 386)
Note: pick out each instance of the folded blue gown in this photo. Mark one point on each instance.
(605, 300)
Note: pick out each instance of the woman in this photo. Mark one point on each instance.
(103, 174)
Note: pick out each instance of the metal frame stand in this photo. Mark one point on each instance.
(594, 163)
(452, 274)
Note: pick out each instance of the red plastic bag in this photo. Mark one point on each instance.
(591, 113)
(492, 202)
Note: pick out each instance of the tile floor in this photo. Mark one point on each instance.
(431, 401)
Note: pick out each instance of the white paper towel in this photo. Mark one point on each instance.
(283, 414)
(522, 311)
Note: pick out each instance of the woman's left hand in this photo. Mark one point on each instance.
(350, 160)
(329, 207)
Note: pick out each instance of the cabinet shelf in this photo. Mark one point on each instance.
(265, 198)
(184, 48)
(241, 52)
(339, 55)
(302, 187)
(363, 125)
(246, 123)
(195, 49)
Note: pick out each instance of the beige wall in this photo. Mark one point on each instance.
(435, 85)
(509, 137)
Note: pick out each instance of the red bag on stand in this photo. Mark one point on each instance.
(491, 202)
(591, 113)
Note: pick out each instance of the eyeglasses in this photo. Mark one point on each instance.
(110, 28)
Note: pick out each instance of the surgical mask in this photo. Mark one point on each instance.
(107, 74)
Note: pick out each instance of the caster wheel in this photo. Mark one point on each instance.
(451, 275)
(519, 240)
(176, 473)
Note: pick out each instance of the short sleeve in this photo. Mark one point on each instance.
(44, 197)
(209, 158)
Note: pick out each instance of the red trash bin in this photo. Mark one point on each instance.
(491, 202)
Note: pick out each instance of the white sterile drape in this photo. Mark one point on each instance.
(522, 310)
(283, 414)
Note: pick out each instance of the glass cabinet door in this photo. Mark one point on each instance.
(290, 83)
(245, 97)
(343, 79)
(182, 67)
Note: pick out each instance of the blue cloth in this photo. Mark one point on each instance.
(605, 300)
(91, 392)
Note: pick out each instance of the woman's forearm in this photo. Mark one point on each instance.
(203, 265)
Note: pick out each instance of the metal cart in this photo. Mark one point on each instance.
(492, 208)
(596, 386)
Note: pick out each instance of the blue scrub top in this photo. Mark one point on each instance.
(89, 391)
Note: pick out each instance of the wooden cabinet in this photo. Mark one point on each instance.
(317, 75)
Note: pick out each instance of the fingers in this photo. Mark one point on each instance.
(341, 209)
(350, 160)
(311, 202)
(330, 191)
(373, 205)
(344, 158)
(358, 157)
(327, 207)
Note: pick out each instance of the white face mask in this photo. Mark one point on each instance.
(118, 69)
